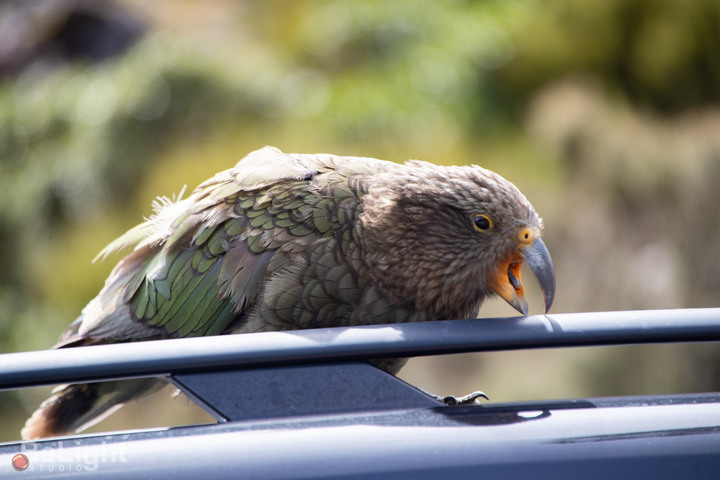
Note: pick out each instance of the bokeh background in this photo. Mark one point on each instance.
(605, 113)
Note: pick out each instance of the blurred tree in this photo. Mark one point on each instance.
(661, 55)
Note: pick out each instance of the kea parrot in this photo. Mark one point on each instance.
(293, 241)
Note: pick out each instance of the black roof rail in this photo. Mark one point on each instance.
(267, 375)
(342, 344)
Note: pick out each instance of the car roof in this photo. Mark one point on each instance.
(305, 405)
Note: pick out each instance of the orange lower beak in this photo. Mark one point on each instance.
(507, 282)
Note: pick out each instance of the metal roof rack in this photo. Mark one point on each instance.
(265, 375)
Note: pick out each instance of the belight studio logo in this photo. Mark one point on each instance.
(20, 462)
(67, 456)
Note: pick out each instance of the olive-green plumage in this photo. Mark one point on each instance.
(287, 241)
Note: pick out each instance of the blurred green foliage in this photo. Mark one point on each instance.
(659, 55)
(605, 113)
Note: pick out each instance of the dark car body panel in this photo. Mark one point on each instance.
(647, 437)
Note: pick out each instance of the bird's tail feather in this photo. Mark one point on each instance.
(73, 408)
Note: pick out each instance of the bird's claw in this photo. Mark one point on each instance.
(468, 399)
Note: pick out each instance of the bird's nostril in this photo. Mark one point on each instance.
(527, 236)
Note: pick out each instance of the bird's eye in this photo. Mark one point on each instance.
(482, 223)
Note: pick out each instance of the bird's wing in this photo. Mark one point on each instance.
(199, 263)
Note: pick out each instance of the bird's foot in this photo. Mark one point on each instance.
(451, 400)
(468, 399)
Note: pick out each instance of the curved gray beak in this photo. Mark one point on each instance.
(538, 258)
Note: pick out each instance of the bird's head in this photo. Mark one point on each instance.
(442, 239)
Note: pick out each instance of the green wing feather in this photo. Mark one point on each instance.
(200, 262)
